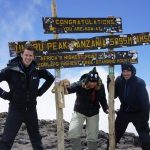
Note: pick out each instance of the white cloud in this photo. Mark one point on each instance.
(17, 22)
(21, 22)
(19, 19)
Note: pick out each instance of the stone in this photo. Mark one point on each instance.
(48, 130)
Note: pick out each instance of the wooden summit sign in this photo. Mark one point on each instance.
(71, 45)
(67, 60)
(81, 25)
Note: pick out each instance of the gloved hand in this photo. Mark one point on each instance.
(107, 111)
(39, 93)
(6, 95)
(116, 111)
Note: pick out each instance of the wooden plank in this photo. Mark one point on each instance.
(81, 25)
(67, 60)
(111, 116)
(72, 45)
(59, 111)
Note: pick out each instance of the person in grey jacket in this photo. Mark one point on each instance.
(23, 79)
(90, 94)
(135, 106)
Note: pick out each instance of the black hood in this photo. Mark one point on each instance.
(128, 66)
(16, 61)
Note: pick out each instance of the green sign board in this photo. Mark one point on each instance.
(81, 25)
(72, 45)
(67, 60)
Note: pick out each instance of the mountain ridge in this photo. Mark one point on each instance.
(48, 130)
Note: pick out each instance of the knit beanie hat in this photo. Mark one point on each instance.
(128, 66)
(92, 76)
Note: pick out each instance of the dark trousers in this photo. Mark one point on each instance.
(13, 123)
(139, 120)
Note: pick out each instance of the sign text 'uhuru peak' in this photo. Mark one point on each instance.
(72, 45)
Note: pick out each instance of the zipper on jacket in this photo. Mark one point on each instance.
(126, 94)
(125, 91)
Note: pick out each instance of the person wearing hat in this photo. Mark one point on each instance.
(90, 94)
(135, 106)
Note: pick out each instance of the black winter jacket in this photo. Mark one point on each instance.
(24, 85)
(132, 94)
(88, 100)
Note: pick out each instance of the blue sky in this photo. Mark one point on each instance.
(22, 20)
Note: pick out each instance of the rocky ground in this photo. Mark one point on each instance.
(48, 131)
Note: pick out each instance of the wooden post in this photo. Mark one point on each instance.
(59, 111)
(111, 110)
(111, 116)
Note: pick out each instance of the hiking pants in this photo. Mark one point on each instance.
(139, 120)
(76, 126)
(13, 123)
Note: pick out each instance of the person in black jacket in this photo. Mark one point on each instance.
(23, 79)
(90, 94)
(135, 106)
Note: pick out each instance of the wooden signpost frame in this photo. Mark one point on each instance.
(59, 111)
(46, 48)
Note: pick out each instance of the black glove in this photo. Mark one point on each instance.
(6, 95)
(116, 111)
(107, 111)
(39, 93)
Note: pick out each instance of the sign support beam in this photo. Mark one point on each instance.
(59, 111)
(111, 116)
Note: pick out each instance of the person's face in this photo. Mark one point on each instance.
(91, 85)
(126, 74)
(27, 57)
